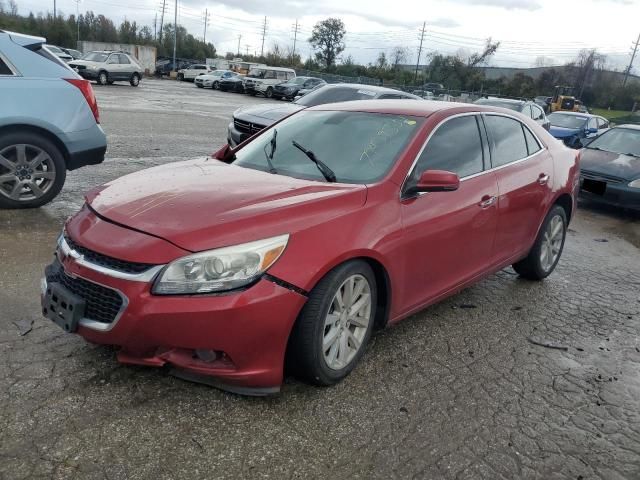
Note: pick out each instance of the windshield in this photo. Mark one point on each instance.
(358, 147)
(96, 57)
(618, 140)
(567, 121)
(499, 103)
(331, 94)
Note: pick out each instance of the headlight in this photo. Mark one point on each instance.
(635, 183)
(221, 269)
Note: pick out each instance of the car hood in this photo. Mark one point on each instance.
(562, 132)
(204, 204)
(626, 167)
(269, 111)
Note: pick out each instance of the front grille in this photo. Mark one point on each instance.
(600, 177)
(106, 261)
(247, 127)
(79, 67)
(102, 304)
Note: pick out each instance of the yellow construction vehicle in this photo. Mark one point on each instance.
(563, 100)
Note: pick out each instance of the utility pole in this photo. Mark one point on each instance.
(155, 27)
(264, 32)
(78, 21)
(175, 35)
(633, 57)
(424, 24)
(206, 23)
(164, 9)
(296, 29)
(239, 38)
(247, 49)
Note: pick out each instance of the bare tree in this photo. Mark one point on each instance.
(399, 55)
(381, 61)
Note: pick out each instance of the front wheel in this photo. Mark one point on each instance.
(180, 77)
(269, 92)
(32, 170)
(547, 249)
(103, 78)
(135, 80)
(215, 86)
(332, 331)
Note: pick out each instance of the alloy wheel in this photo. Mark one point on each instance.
(551, 243)
(27, 172)
(347, 322)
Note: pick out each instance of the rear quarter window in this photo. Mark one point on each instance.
(4, 68)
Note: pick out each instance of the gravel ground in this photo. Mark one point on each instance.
(456, 391)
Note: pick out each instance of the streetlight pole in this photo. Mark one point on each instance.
(175, 35)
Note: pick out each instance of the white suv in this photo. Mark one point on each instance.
(192, 71)
(263, 79)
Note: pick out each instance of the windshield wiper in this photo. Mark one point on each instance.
(326, 172)
(269, 156)
(633, 155)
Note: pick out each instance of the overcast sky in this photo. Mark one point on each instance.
(528, 29)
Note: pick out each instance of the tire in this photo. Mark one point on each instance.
(40, 182)
(537, 266)
(134, 81)
(269, 92)
(199, 86)
(110, 82)
(215, 86)
(180, 77)
(103, 78)
(311, 355)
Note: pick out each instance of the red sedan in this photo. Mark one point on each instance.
(302, 240)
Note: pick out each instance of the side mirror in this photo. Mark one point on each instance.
(225, 154)
(592, 130)
(436, 181)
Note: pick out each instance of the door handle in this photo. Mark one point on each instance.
(543, 179)
(487, 201)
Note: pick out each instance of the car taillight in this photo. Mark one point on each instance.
(87, 91)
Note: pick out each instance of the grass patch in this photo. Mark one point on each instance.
(617, 116)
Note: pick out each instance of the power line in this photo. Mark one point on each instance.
(424, 24)
(633, 57)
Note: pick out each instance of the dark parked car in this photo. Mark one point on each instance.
(289, 90)
(574, 129)
(610, 167)
(232, 84)
(74, 53)
(529, 109)
(247, 121)
(298, 244)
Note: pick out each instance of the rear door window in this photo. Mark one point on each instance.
(281, 76)
(507, 140)
(602, 123)
(532, 144)
(124, 60)
(538, 114)
(455, 147)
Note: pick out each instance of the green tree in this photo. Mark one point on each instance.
(327, 40)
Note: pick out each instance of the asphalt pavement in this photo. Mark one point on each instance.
(457, 391)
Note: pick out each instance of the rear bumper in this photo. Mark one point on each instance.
(85, 147)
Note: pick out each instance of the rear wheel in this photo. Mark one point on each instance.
(32, 170)
(547, 249)
(134, 80)
(331, 334)
(103, 78)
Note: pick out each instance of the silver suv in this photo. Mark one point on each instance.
(107, 67)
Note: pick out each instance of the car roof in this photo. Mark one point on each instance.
(578, 114)
(630, 126)
(422, 108)
(24, 40)
(505, 100)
